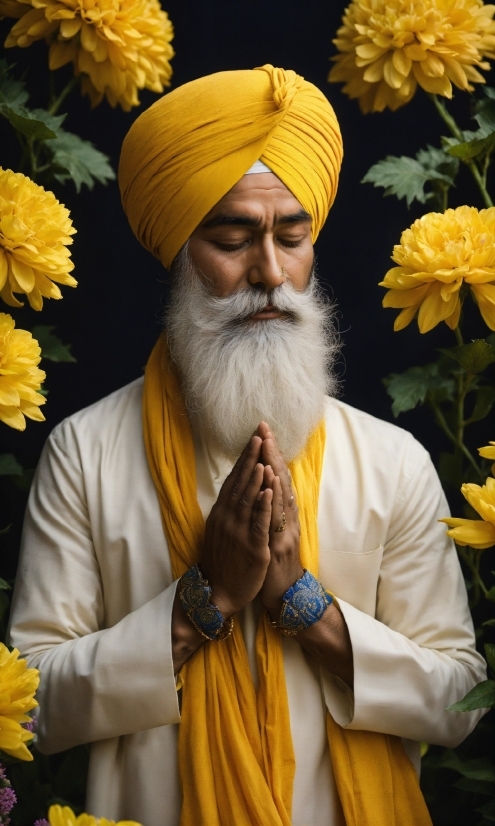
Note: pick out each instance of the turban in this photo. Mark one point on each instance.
(184, 153)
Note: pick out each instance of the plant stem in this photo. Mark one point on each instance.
(458, 335)
(57, 102)
(462, 447)
(479, 178)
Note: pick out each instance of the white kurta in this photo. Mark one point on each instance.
(93, 600)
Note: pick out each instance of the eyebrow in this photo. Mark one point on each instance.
(224, 219)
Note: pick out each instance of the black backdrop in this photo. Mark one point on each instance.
(112, 319)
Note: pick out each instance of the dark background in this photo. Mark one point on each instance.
(113, 318)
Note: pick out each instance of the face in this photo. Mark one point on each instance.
(257, 235)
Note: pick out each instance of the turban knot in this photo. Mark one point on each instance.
(184, 153)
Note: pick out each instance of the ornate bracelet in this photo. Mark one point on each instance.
(303, 604)
(195, 594)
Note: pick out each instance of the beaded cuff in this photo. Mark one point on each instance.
(195, 594)
(303, 604)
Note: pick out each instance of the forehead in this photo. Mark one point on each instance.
(257, 193)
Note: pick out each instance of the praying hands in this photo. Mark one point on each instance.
(251, 548)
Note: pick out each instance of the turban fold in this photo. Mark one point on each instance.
(184, 153)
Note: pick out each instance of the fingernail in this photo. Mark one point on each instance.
(260, 496)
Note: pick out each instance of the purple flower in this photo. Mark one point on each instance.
(3, 776)
(7, 800)
(41, 822)
(31, 726)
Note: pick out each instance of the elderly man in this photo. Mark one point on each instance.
(262, 643)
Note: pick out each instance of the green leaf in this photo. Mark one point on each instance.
(488, 623)
(485, 399)
(468, 784)
(11, 91)
(404, 177)
(475, 148)
(488, 810)
(51, 346)
(437, 160)
(9, 466)
(417, 385)
(477, 768)
(490, 655)
(474, 357)
(484, 111)
(481, 696)
(4, 586)
(491, 594)
(76, 159)
(34, 128)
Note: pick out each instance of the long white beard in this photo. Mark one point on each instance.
(236, 372)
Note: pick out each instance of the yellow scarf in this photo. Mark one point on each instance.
(236, 759)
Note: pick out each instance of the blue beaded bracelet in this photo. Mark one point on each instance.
(195, 594)
(303, 604)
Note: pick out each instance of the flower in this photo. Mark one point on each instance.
(18, 684)
(7, 802)
(488, 452)
(35, 230)
(437, 255)
(8, 798)
(388, 47)
(20, 378)
(64, 816)
(475, 532)
(119, 46)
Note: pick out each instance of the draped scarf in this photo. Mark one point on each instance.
(235, 752)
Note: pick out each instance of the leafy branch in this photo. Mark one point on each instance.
(48, 151)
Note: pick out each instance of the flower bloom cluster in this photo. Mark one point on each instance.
(488, 452)
(18, 685)
(64, 816)
(8, 798)
(20, 377)
(119, 46)
(436, 257)
(477, 533)
(389, 47)
(35, 230)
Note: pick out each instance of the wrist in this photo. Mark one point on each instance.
(195, 597)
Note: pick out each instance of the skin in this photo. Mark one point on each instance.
(257, 236)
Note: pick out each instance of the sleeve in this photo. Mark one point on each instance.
(97, 682)
(418, 655)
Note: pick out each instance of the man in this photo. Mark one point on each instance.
(290, 677)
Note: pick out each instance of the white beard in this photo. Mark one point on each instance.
(236, 372)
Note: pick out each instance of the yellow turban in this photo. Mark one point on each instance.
(184, 153)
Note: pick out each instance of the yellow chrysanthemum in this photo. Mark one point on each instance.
(389, 47)
(474, 532)
(119, 46)
(35, 230)
(20, 378)
(64, 816)
(488, 452)
(437, 255)
(18, 684)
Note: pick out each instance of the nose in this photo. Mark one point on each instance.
(264, 269)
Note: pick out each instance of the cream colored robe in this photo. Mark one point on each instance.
(94, 595)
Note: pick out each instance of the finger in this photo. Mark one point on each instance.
(277, 505)
(271, 455)
(237, 479)
(248, 498)
(262, 513)
(268, 476)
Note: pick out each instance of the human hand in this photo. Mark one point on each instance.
(285, 564)
(236, 555)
